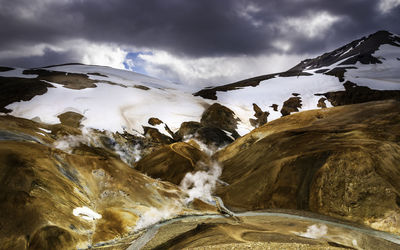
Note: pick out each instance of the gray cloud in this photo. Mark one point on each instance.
(187, 28)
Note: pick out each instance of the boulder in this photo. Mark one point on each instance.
(153, 121)
(188, 129)
(274, 107)
(291, 105)
(221, 117)
(154, 135)
(261, 116)
(321, 103)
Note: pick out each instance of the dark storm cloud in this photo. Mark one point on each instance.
(49, 57)
(192, 28)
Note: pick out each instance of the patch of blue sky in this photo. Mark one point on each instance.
(135, 63)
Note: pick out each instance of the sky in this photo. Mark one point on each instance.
(195, 42)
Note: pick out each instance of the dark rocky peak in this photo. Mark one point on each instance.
(360, 50)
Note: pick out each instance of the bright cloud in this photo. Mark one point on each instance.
(386, 6)
(215, 70)
(313, 25)
(104, 55)
(77, 50)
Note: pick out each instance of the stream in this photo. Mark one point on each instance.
(152, 230)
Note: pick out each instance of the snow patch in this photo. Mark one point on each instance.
(382, 76)
(86, 213)
(113, 108)
(276, 91)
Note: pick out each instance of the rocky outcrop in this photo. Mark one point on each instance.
(342, 162)
(188, 129)
(321, 103)
(360, 50)
(4, 69)
(153, 121)
(339, 72)
(68, 80)
(291, 105)
(358, 94)
(261, 116)
(156, 136)
(211, 93)
(220, 117)
(71, 119)
(274, 107)
(15, 89)
(213, 137)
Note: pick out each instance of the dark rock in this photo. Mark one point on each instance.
(295, 94)
(364, 59)
(211, 93)
(4, 69)
(142, 87)
(274, 106)
(153, 121)
(360, 50)
(71, 119)
(291, 105)
(154, 135)
(358, 94)
(321, 71)
(188, 128)
(261, 116)
(291, 73)
(339, 72)
(97, 74)
(68, 80)
(213, 136)
(15, 89)
(221, 117)
(321, 103)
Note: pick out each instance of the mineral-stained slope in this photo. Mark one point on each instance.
(51, 199)
(342, 162)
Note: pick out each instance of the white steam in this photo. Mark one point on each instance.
(127, 153)
(315, 231)
(207, 149)
(69, 142)
(154, 215)
(201, 184)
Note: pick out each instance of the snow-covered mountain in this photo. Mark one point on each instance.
(109, 99)
(372, 61)
(118, 100)
(72, 182)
